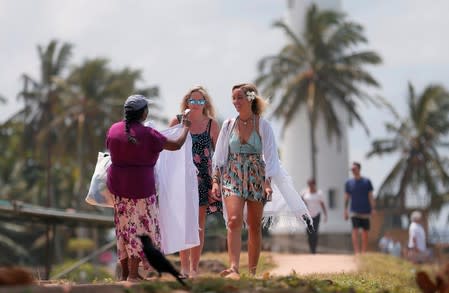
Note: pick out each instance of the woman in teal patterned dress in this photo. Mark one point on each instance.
(204, 131)
(243, 178)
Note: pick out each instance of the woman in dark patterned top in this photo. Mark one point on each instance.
(204, 131)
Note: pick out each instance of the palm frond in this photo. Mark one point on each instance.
(64, 55)
(383, 146)
(389, 185)
(364, 57)
(292, 36)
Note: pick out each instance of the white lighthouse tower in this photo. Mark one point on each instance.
(331, 157)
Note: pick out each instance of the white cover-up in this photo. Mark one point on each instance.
(286, 205)
(177, 187)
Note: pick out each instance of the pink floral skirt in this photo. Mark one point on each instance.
(133, 217)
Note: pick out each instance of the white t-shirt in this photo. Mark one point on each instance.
(416, 231)
(313, 201)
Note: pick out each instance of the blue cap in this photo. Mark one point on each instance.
(136, 102)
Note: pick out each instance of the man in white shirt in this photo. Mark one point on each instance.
(418, 251)
(314, 200)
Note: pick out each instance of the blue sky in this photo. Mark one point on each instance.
(180, 43)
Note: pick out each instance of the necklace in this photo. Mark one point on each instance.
(245, 122)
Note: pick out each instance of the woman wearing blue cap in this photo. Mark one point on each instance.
(134, 150)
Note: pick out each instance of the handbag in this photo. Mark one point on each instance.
(99, 194)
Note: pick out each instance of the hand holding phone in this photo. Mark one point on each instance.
(185, 120)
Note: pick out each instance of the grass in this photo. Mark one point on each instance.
(377, 273)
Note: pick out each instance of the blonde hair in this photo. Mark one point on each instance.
(208, 109)
(258, 105)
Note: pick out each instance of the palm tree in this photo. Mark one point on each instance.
(318, 70)
(418, 139)
(41, 98)
(92, 99)
(16, 172)
(42, 101)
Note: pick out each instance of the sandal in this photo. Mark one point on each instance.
(233, 276)
(227, 272)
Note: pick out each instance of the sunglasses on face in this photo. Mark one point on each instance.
(196, 102)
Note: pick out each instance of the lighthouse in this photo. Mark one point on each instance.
(332, 160)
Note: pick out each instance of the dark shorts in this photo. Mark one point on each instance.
(360, 223)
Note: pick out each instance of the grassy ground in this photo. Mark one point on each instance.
(377, 273)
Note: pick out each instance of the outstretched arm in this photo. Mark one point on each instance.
(176, 144)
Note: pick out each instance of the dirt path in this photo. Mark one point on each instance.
(304, 264)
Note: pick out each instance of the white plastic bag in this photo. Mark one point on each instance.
(99, 193)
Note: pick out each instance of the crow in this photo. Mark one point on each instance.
(157, 260)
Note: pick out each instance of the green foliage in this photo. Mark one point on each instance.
(86, 273)
(317, 71)
(319, 68)
(418, 138)
(52, 142)
(50, 146)
(80, 244)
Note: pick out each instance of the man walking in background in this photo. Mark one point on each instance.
(314, 200)
(359, 191)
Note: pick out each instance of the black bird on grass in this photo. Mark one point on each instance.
(157, 260)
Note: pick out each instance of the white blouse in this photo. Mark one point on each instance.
(286, 204)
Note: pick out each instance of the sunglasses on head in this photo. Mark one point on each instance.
(196, 102)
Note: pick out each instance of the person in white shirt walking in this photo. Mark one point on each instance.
(418, 251)
(314, 200)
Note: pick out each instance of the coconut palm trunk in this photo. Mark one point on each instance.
(313, 150)
(80, 160)
(405, 180)
(312, 126)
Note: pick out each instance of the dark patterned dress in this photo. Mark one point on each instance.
(202, 151)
